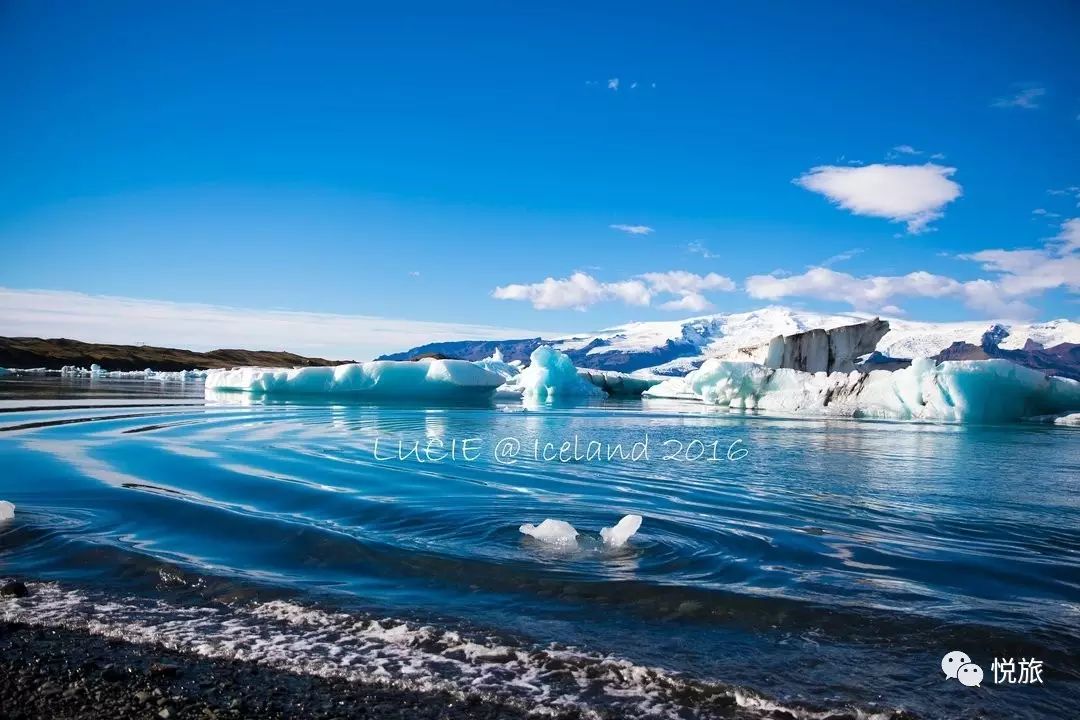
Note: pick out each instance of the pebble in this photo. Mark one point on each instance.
(15, 588)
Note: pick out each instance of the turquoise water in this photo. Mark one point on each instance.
(823, 566)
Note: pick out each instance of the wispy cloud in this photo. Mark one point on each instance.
(901, 150)
(1073, 191)
(839, 257)
(98, 318)
(581, 290)
(633, 229)
(912, 194)
(613, 84)
(1027, 97)
(697, 247)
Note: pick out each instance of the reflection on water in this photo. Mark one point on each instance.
(833, 564)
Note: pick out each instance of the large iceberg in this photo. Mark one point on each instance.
(423, 379)
(967, 391)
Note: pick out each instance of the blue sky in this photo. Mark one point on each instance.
(407, 161)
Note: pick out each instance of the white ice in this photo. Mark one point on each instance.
(555, 532)
(7, 510)
(424, 379)
(96, 371)
(967, 391)
(497, 365)
(551, 375)
(623, 531)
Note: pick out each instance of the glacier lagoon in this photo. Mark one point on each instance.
(824, 571)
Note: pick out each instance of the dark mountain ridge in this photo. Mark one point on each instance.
(55, 353)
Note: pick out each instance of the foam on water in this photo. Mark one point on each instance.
(394, 653)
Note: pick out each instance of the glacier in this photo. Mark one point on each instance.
(675, 347)
(387, 379)
(958, 391)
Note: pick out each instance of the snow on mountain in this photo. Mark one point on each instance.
(675, 347)
(721, 334)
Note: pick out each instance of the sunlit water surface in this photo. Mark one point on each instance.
(822, 566)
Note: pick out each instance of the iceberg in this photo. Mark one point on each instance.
(96, 372)
(623, 531)
(554, 532)
(7, 510)
(497, 365)
(618, 383)
(423, 379)
(1068, 419)
(551, 375)
(958, 391)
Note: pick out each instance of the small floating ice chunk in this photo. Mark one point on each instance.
(556, 532)
(7, 510)
(623, 531)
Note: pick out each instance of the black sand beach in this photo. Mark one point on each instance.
(58, 673)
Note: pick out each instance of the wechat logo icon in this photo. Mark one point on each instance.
(958, 666)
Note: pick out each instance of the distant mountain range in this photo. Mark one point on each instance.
(674, 347)
(669, 347)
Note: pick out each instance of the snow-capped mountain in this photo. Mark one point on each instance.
(674, 347)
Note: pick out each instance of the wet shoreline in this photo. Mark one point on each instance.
(55, 672)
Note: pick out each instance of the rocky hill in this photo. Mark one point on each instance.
(55, 353)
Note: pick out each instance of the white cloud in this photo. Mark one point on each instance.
(99, 318)
(913, 194)
(578, 292)
(682, 282)
(633, 229)
(613, 84)
(699, 248)
(414, 273)
(581, 290)
(1018, 275)
(1070, 234)
(692, 302)
(1026, 98)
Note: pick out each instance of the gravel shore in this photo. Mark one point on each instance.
(56, 674)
